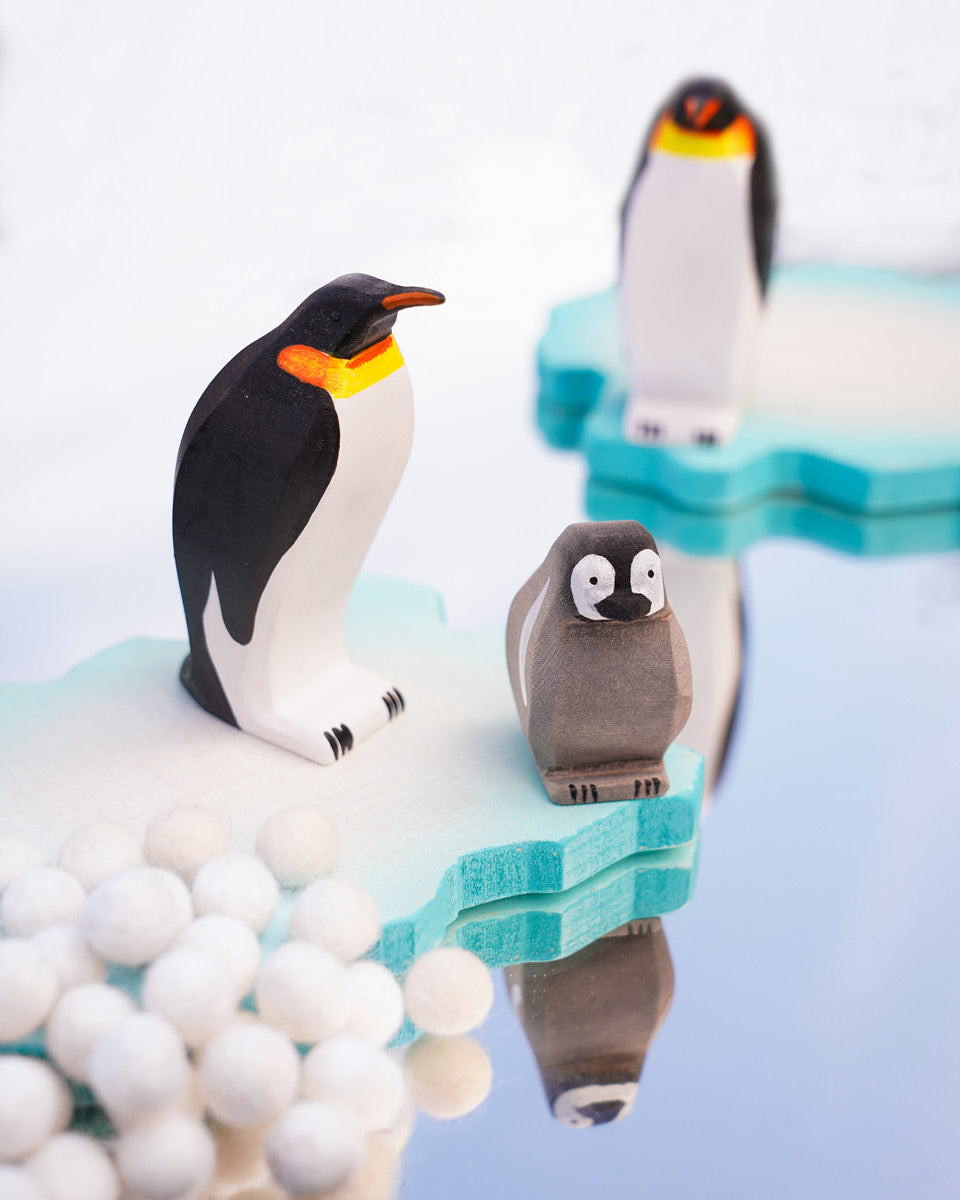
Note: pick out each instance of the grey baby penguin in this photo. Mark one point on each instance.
(599, 665)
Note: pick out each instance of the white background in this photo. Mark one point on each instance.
(176, 177)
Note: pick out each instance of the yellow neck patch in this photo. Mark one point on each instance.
(341, 376)
(737, 139)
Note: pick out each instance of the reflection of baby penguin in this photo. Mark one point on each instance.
(599, 665)
(591, 1018)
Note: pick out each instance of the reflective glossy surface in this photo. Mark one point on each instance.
(811, 1048)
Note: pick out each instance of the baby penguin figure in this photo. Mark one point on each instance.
(599, 665)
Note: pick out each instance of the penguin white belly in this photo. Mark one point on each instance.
(293, 682)
(689, 298)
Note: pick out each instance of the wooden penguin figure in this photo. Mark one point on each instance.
(590, 1019)
(696, 243)
(286, 467)
(599, 665)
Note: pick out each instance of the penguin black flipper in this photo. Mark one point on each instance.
(249, 477)
(644, 158)
(763, 203)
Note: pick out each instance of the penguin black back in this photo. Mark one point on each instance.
(256, 458)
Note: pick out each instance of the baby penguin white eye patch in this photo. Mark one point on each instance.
(646, 579)
(592, 580)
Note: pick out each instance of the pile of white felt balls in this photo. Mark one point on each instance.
(208, 1098)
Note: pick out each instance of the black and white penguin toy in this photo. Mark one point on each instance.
(285, 470)
(696, 243)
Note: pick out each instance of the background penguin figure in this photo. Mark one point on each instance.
(599, 665)
(696, 242)
(286, 467)
(590, 1019)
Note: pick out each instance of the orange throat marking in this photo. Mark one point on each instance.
(341, 376)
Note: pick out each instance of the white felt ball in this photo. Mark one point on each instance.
(448, 991)
(448, 1076)
(73, 1167)
(303, 991)
(230, 940)
(299, 845)
(18, 853)
(138, 1068)
(170, 1158)
(337, 914)
(193, 990)
(376, 1002)
(313, 1148)
(28, 988)
(18, 1184)
(357, 1077)
(134, 915)
(182, 839)
(239, 885)
(34, 1105)
(70, 955)
(97, 850)
(39, 898)
(80, 1017)
(249, 1075)
(179, 894)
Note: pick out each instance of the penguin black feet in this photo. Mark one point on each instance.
(637, 780)
(705, 438)
(586, 793)
(649, 431)
(340, 740)
(394, 701)
(651, 786)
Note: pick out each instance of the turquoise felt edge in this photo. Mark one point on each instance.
(797, 476)
(531, 928)
(538, 867)
(547, 927)
(543, 928)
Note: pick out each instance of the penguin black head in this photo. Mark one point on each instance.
(703, 106)
(612, 572)
(352, 313)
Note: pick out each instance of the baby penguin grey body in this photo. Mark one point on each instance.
(599, 665)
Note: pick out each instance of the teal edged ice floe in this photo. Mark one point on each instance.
(866, 487)
(441, 817)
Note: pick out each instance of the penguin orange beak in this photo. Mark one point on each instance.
(412, 299)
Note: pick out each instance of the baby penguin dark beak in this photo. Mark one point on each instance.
(624, 606)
